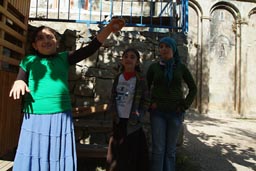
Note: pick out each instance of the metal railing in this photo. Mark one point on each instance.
(169, 14)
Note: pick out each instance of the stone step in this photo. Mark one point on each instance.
(91, 150)
(88, 110)
(6, 165)
(93, 126)
(97, 129)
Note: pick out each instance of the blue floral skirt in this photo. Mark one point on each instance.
(46, 143)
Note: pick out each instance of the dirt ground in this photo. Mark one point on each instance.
(221, 144)
(210, 144)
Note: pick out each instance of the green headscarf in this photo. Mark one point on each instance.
(170, 42)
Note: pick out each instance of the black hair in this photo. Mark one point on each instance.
(136, 52)
(33, 36)
(37, 30)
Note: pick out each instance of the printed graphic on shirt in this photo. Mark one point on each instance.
(125, 92)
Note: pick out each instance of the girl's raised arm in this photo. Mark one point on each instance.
(114, 26)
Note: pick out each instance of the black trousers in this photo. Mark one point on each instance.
(130, 153)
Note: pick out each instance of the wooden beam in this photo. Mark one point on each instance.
(9, 60)
(13, 18)
(9, 30)
(12, 47)
(165, 21)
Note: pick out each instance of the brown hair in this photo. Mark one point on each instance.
(135, 51)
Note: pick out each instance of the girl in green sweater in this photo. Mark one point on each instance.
(47, 140)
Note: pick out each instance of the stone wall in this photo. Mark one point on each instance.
(91, 79)
(219, 49)
(105, 65)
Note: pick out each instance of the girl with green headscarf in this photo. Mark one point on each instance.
(168, 103)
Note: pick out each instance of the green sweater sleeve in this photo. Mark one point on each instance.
(149, 77)
(192, 89)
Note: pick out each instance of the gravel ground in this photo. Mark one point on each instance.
(220, 144)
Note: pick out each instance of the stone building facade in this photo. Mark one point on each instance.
(221, 45)
(219, 49)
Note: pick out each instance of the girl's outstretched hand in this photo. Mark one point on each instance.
(116, 24)
(19, 88)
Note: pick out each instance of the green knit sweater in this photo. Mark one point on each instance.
(169, 98)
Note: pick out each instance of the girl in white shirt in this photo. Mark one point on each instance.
(128, 149)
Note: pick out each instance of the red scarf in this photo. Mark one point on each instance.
(128, 75)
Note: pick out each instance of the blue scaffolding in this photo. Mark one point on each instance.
(168, 14)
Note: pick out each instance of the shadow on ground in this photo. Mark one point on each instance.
(184, 163)
(210, 144)
(220, 144)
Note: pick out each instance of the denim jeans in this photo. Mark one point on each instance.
(165, 129)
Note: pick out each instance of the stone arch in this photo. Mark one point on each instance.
(194, 45)
(196, 6)
(249, 81)
(252, 12)
(227, 6)
(223, 83)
